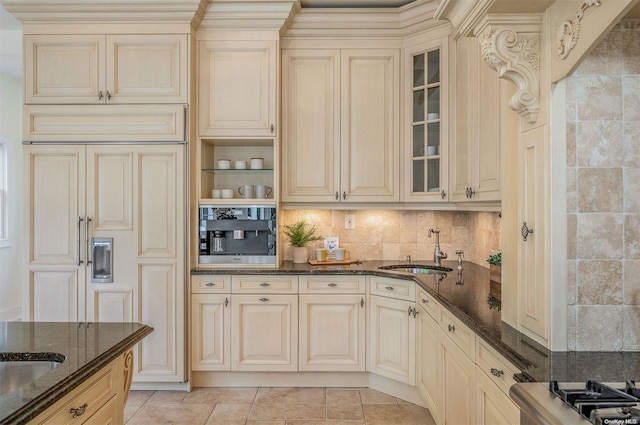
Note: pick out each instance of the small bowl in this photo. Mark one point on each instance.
(227, 193)
(224, 164)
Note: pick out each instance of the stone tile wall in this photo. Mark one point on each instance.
(603, 193)
(392, 235)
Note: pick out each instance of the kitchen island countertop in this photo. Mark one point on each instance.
(475, 304)
(86, 347)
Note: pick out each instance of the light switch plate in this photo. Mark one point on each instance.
(349, 221)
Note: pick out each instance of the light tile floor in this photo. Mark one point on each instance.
(272, 406)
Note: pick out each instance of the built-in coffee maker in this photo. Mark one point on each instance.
(237, 234)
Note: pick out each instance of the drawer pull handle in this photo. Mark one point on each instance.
(333, 285)
(425, 301)
(226, 302)
(264, 299)
(452, 328)
(389, 288)
(211, 284)
(497, 372)
(79, 411)
(264, 284)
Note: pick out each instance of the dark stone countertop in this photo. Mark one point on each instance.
(471, 303)
(86, 347)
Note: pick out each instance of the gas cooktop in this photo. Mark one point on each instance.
(602, 404)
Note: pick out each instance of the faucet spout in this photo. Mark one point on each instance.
(438, 255)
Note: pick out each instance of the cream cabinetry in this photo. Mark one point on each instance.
(237, 82)
(426, 122)
(332, 323)
(475, 149)
(494, 376)
(392, 335)
(78, 194)
(427, 351)
(340, 125)
(456, 384)
(98, 400)
(98, 68)
(264, 323)
(210, 322)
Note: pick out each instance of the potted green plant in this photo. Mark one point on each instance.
(299, 236)
(495, 269)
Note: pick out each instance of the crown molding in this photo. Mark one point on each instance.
(102, 11)
(510, 44)
(247, 15)
(391, 23)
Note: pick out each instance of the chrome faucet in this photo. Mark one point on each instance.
(437, 254)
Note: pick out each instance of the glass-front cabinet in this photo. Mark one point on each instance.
(426, 128)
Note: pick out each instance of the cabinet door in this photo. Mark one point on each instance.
(332, 333)
(427, 360)
(64, 68)
(426, 122)
(494, 406)
(392, 336)
(369, 135)
(457, 384)
(264, 333)
(310, 125)
(237, 88)
(210, 332)
(54, 178)
(147, 68)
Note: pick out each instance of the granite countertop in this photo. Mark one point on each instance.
(474, 303)
(86, 347)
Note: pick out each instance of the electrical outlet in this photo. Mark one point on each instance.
(349, 221)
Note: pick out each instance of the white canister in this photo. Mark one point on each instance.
(216, 194)
(224, 164)
(241, 165)
(227, 193)
(257, 163)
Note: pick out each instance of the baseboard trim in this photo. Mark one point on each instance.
(160, 386)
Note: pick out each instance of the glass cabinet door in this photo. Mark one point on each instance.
(426, 129)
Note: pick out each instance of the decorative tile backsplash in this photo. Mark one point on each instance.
(603, 193)
(392, 235)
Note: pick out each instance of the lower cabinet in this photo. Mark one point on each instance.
(427, 360)
(493, 406)
(264, 333)
(211, 331)
(392, 339)
(456, 383)
(332, 333)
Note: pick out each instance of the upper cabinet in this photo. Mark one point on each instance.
(98, 69)
(237, 88)
(426, 122)
(340, 122)
(475, 149)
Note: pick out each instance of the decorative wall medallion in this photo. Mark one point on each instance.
(569, 31)
(515, 56)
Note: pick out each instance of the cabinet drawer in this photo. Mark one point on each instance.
(459, 333)
(90, 395)
(393, 288)
(495, 366)
(268, 284)
(332, 284)
(428, 303)
(210, 284)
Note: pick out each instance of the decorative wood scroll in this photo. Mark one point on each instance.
(513, 51)
(569, 31)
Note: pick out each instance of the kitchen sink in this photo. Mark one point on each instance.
(19, 369)
(417, 268)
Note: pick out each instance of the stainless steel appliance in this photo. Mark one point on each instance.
(602, 404)
(237, 234)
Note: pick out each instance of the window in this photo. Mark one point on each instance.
(4, 207)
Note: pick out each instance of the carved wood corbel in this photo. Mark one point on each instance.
(514, 52)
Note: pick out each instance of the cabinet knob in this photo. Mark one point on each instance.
(78, 411)
(210, 284)
(100, 95)
(452, 328)
(108, 95)
(389, 288)
(337, 196)
(272, 128)
(470, 192)
(361, 302)
(264, 299)
(497, 372)
(264, 284)
(344, 195)
(443, 194)
(333, 285)
(525, 231)
(226, 302)
(425, 301)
